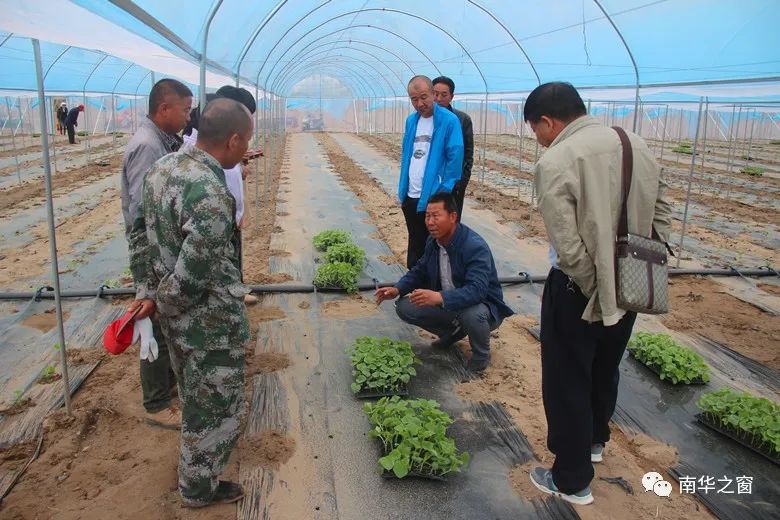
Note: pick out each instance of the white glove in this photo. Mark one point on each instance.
(143, 328)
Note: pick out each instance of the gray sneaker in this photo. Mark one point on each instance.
(597, 452)
(543, 480)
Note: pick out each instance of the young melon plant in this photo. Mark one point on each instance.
(753, 420)
(346, 252)
(322, 241)
(670, 360)
(753, 171)
(381, 365)
(337, 275)
(683, 148)
(414, 437)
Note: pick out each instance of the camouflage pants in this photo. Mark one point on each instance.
(212, 396)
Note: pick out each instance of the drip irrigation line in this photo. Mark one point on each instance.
(45, 293)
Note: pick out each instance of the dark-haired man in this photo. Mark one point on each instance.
(453, 289)
(182, 256)
(431, 161)
(583, 332)
(170, 102)
(443, 92)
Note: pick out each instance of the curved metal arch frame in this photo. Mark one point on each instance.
(400, 59)
(113, 90)
(630, 55)
(97, 65)
(384, 10)
(506, 30)
(356, 62)
(55, 61)
(203, 54)
(141, 82)
(284, 80)
(370, 27)
(352, 74)
(312, 54)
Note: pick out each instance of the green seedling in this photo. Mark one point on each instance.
(48, 375)
(346, 252)
(414, 437)
(753, 171)
(338, 274)
(672, 361)
(381, 364)
(755, 419)
(322, 241)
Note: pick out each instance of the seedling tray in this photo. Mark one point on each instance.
(655, 370)
(737, 436)
(372, 394)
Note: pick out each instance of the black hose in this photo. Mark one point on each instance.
(47, 292)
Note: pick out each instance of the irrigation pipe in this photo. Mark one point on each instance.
(45, 293)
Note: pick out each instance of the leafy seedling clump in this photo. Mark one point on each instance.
(322, 241)
(337, 275)
(381, 366)
(48, 375)
(670, 360)
(753, 421)
(414, 437)
(346, 252)
(753, 171)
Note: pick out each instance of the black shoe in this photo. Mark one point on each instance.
(448, 341)
(476, 367)
(227, 493)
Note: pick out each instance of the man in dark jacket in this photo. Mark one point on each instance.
(443, 92)
(72, 121)
(453, 289)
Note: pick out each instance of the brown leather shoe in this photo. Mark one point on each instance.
(169, 418)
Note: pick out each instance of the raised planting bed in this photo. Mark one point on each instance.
(414, 438)
(381, 367)
(752, 421)
(669, 360)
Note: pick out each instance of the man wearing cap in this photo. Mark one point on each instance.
(72, 121)
(182, 254)
(170, 102)
(62, 115)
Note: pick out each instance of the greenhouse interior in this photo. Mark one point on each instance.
(330, 402)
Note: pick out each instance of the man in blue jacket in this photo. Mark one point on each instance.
(453, 289)
(431, 160)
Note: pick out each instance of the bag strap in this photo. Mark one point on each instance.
(627, 170)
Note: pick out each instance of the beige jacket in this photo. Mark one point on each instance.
(578, 180)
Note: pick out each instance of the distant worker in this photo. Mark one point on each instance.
(583, 331)
(453, 290)
(72, 121)
(431, 161)
(62, 115)
(170, 102)
(443, 92)
(182, 257)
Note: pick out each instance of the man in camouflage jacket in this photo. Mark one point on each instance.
(183, 260)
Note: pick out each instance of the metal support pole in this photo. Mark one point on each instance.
(53, 137)
(750, 141)
(733, 151)
(484, 138)
(52, 236)
(704, 138)
(690, 182)
(13, 144)
(521, 122)
(663, 134)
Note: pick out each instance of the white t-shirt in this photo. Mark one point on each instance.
(422, 144)
(235, 183)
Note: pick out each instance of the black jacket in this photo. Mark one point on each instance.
(62, 114)
(73, 117)
(468, 143)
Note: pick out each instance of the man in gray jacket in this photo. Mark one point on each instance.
(443, 92)
(170, 102)
(583, 331)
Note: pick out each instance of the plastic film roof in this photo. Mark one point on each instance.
(484, 45)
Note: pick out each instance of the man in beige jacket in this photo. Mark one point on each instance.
(583, 331)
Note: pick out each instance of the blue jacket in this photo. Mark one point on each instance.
(445, 157)
(473, 274)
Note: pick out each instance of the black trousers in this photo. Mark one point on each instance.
(459, 194)
(71, 134)
(580, 376)
(418, 233)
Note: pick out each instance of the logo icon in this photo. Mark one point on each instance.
(653, 481)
